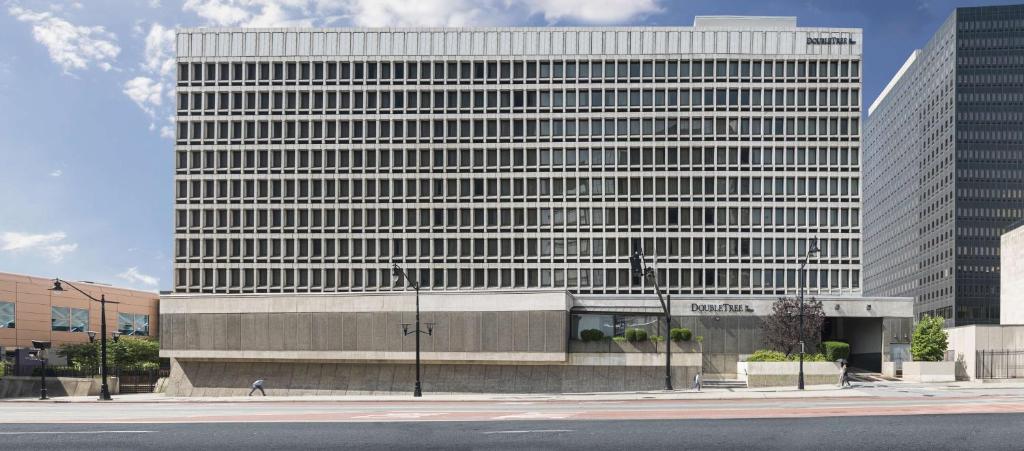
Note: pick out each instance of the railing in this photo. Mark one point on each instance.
(138, 381)
(1005, 364)
(63, 371)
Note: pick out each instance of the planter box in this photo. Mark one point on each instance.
(891, 369)
(646, 346)
(782, 374)
(929, 371)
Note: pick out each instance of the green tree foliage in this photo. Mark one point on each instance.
(125, 353)
(930, 340)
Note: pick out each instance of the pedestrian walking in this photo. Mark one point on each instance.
(258, 385)
(696, 382)
(846, 375)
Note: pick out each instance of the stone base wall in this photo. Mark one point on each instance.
(220, 378)
(28, 387)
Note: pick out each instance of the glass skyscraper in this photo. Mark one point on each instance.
(944, 167)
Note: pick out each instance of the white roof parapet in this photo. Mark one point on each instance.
(895, 79)
(731, 36)
(744, 22)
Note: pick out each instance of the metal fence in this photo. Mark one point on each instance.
(138, 381)
(1005, 364)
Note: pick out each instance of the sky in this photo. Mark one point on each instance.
(86, 170)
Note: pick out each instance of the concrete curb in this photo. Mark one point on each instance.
(812, 392)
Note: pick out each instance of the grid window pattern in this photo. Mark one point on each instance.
(65, 319)
(943, 169)
(133, 324)
(314, 174)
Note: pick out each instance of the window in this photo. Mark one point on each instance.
(133, 324)
(64, 319)
(6, 315)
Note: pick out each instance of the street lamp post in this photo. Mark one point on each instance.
(813, 249)
(42, 346)
(104, 389)
(640, 269)
(398, 271)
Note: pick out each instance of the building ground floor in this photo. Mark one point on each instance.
(500, 341)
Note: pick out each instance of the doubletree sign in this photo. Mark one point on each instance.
(830, 41)
(721, 308)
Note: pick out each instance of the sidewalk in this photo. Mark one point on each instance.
(814, 391)
(859, 390)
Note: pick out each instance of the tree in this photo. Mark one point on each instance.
(930, 340)
(125, 353)
(782, 326)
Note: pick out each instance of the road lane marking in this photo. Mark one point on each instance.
(74, 432)
(536, 416)
(535, 431)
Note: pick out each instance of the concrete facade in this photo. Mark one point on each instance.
(966, 341)
(32, 302)
(1011, 276)
(526, 341)
(309, 160)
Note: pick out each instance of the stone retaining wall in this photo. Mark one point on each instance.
(220, 378)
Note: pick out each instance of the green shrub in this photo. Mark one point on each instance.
(656, 338)
(634, 335)
(680, 334)
(835, 350)
(619, 339)
(930, 340)
(766, 355)
(591, 335)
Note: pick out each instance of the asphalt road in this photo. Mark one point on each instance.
(926, 432)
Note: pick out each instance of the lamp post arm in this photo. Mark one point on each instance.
(80, 290)
(657, 289)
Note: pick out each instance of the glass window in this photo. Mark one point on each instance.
(6, 315)
(125, 323)
(59, 319)
(79, 320)
(141, 325)
(133, 324)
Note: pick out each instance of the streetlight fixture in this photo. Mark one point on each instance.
(640, 269)
(811, 250)
(399, 272)
(104, 388)
(42, 346)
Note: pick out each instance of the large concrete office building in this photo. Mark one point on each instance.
(944, 167)
(499, 166)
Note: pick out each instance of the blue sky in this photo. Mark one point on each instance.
(86, 174)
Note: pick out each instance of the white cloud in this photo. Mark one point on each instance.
(592, 11)
(50, 245)
(56, 173)
(401, 13)
(159, 51)
(132, 275)
(69, 45)
(167, 131)
(252, 13)
(393, 13)
(145, 92)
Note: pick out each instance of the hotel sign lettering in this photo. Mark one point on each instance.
(830, 41)
(721, 308)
